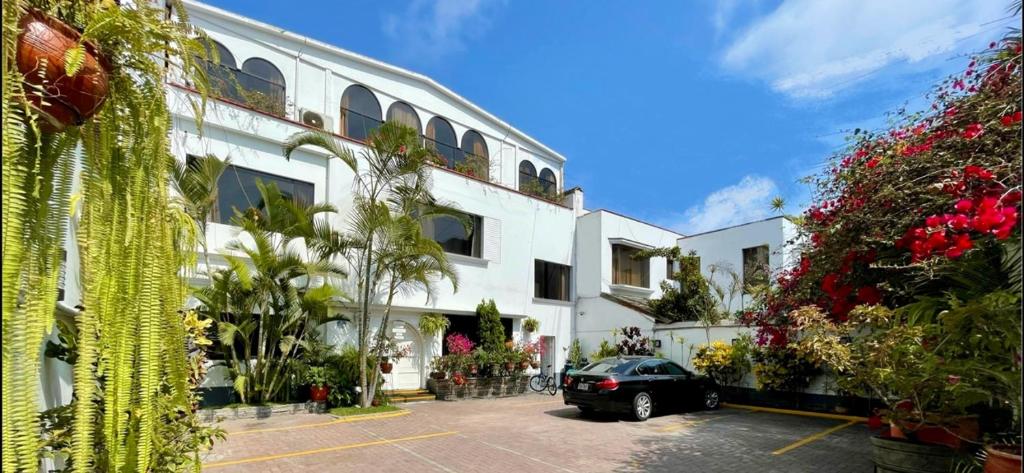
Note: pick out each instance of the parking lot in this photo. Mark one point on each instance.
(539, 433)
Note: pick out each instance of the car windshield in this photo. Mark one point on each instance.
(610, 365)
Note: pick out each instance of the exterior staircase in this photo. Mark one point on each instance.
(409, 395)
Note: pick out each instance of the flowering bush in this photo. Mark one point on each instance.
(725, 363)
(783, 368)
(459, 344)
(908, 285)
(634, 343)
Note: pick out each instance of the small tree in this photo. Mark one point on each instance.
(492, 332)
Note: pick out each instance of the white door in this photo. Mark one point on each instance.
(408, 372)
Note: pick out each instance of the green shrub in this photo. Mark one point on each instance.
(606, 350)
(492, 332)
(432, 324)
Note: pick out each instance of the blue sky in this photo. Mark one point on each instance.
(691, 115)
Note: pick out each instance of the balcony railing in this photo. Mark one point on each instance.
(357, 126)
(246, 89)
(459, 160)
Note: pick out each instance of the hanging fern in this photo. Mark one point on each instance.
(132, 243)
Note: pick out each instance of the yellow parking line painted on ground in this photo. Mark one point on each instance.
(356, 418)
(681, 425)
(328, 449)
(821, 415)
(812, 438)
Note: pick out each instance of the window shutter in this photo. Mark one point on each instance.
(492, 239)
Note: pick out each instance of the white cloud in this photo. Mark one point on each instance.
(813, 48)
(746, 201)
(427, 31)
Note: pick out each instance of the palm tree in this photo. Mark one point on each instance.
(267, 304)
(195, 184)
(392, 199)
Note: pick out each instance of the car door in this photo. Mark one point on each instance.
(656, 380)
(683, 383)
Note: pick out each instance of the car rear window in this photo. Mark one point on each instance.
(610, 365)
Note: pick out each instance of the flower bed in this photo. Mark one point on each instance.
(479, 388)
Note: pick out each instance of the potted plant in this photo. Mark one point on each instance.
(432, 324)
(318, 388)
(531, 324)
(391, 353)
(66, 79)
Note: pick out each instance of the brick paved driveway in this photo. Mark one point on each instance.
(539, 433)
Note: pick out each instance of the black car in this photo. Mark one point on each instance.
(637, 385)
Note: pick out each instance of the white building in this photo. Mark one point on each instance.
(549, 259)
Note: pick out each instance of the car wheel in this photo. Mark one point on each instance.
(711, 400)
(642, 407)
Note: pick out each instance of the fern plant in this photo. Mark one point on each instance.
(132, 245)
(432, 324)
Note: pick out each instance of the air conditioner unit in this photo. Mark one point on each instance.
(315, 119)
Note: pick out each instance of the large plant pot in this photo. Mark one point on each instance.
(319, 393)
(1002, 459)
(386, 367)
(59, 99)
(892, 455)
(953, 436)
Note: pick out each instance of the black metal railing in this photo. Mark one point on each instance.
(358, 126)
(246, 89)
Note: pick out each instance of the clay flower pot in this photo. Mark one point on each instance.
(386, 367)
(952, 436)
(318, 393)
(509, 344)
(1002, 458)
(59, 99)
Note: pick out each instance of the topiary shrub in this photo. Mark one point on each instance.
(492, 332)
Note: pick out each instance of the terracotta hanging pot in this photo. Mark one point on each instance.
(59, 99)
(386, 367)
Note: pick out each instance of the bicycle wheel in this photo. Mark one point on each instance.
(552, 387)
(537, 383)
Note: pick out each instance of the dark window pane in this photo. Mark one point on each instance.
(401, 112)
(453, 236)
(550, 280)
(629, 271)
(527, 176)
(237, 189)
(673, 368)
(441, 138)
(360, 112)
(263, 86)
(548, 182)
(755, 267)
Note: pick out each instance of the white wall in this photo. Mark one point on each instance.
(594, 235)
(725, 246)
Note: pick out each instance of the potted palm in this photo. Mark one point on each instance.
(318, 388)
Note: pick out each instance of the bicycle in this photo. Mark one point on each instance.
(541, 382)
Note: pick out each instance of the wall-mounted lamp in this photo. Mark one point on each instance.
(657, 343)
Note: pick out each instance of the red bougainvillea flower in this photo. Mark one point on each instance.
(869, 295)
(963, 205)
(873, 162)
(973, 131)
(933, 221)
(1010, 119)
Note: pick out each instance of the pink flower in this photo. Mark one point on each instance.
(963, 205)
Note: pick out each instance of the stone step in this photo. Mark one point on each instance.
(421, 397)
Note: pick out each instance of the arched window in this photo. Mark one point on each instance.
(220, 71)
(360, 112)
(401, 112)
(225, 57)
(264, 85)
(474, 154)
(548, 182)
(441, 138)
(527, 176)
